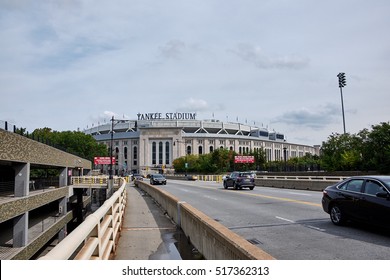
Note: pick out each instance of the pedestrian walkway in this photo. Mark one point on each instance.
(147, 233)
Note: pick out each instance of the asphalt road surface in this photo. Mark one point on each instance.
(288, 224)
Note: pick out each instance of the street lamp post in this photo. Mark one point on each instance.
(111, 144)
(285, 158)
(111, 177)
(342, 83)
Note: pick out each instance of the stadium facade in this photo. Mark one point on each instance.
(154, 140)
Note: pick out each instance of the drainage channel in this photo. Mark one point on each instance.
(176, 246)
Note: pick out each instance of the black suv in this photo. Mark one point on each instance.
(239, 180)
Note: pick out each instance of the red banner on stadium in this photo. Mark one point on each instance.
(103, 160)
(244, 159)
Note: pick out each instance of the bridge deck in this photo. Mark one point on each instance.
(146, 232)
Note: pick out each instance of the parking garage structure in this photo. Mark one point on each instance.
(33, 212)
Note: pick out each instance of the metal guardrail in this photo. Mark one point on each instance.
(219, 178)
(97, 235)
(93, 180)
(302, 178)
(214, 178)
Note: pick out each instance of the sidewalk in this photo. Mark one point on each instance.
(147, 234)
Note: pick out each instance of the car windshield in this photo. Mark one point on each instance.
(157, 176)
(245, 174)
(387, 182)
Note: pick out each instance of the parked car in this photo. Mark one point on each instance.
(157, 179)
(359, 198)
(239, 180)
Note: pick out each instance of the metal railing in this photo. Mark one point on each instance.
(97, 235)
(93, 180)
(214, 178)
(219, 178)
(89, 180)
(301, 178)
(7, 126)
(7, 188)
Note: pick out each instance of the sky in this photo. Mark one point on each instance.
(73, 64)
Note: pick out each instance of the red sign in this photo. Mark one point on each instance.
(103, 160)
(244, 159)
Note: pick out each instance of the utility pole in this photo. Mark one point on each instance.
(111, 144)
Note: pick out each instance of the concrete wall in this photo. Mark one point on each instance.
(299, 184)
(37, 243)
(212, 239)
(17, 148)
(18, 206)
(315, 183)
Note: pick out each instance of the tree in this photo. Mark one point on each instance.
(222, 159)
(74, 142)
(341, 152)
(219, 161)
(376, 149)
(366, 150)
(260, 158)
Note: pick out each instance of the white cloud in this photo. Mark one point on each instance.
(194, 105)
(64, 63)
(173, 49)
(261, 59)
(314, 118)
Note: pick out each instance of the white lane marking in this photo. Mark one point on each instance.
(303, 194)
(284, 219)
(316, 228)
(293, 222)
(210, 197)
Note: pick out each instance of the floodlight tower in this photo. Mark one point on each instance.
(342, 83)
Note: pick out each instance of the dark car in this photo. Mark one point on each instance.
(239, 180)
(157, 179)
(363, 199)
(191, 177)
(137, 177)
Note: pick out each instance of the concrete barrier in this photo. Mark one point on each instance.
(299, 182)
(296, 183)
(212, 239)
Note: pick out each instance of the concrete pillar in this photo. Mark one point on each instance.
(110, 188)
(22, 179)
(64, 177)
(20, 231)
(79, 206)
(62, 210)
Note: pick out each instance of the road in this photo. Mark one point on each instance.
(288, 224)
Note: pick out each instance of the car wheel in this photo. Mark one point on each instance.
(225, 185)
(337, 216)
(235, 186)
(251, 188)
